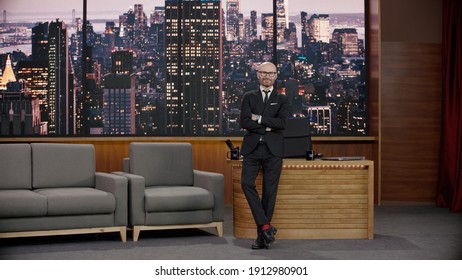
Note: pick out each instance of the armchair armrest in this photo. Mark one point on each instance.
(117, 185)
(136, 187)
(214, 183)
(126, 164)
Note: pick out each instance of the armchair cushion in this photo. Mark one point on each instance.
(22, 203)
(174, 199)
(63, 165)
(78, 201)
(14, 158)
(162, 164)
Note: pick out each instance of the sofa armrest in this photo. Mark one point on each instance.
(214, 183)
(136, 187)
(117, 185)
(126, 164)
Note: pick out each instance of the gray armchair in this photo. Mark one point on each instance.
(166, 193)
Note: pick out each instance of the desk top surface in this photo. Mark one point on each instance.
(301, 161)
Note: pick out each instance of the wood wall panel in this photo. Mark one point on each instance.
(410, 122)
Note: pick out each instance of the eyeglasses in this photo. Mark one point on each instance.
(268, 74)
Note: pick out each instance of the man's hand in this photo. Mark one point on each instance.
(255, 117)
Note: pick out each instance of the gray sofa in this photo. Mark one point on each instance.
(53, 189)
(165, 192)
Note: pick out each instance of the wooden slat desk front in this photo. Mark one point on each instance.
(316, 200)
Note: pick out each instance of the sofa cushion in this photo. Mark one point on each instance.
(22, 203)
(177, 198)
(162, 164)
(78, 201)
(63, 165)
(15, 166)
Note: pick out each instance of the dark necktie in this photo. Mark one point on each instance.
(266, 96)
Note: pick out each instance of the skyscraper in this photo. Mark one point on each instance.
(122, 62)
(40, 42)
(232, 20)
(193, 60)
(347, 38)
(318, 27)
(59, 100)
(282, 19)
(35, 73)
(119, 104)
(267, 28)
(303, 18)
(253, 23)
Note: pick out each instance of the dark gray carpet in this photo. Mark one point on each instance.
(402, 231)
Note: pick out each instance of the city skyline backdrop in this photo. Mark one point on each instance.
(182, 67)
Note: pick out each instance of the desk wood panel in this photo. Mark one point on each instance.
(316, 200)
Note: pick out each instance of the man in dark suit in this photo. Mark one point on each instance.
(264, 115)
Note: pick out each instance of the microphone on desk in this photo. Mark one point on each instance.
(230, 145)
(233, 152)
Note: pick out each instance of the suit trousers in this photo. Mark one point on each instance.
(271, 165)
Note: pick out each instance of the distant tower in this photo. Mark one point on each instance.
(122, 62)
(4, 16)
(35, 73)
(282, 19)
(232, 19)
(318, 27)
(58, 60)
(8, 74)
(253, 23)
(40, 42)
(119, 104)
(303, 16)
(347, 38)
(267, 28)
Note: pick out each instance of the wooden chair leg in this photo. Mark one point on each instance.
(220, 229)
(136, 232)
(123, 234)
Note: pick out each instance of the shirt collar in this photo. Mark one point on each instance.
(270, 89)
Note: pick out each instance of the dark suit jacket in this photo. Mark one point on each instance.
(274, 115)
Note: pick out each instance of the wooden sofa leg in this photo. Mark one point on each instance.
(123, 234)
(136, 232)
(220, 229)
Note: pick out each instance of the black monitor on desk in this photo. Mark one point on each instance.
(297, 138)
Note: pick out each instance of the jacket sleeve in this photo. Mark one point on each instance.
(279, 121)
(246, 121)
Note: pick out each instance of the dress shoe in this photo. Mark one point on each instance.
(269, 236)
(259, 243)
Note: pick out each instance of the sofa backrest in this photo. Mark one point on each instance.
(63, 165)
(162, 164)
(15, 166)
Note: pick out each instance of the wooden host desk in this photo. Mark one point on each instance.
(316, 200)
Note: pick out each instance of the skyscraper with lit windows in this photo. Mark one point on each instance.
(232, 19)
(119, 104)
(282, 19)
(253, 23)
(318, 27)
(267, 28)
(59, 99)
(193, 61)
